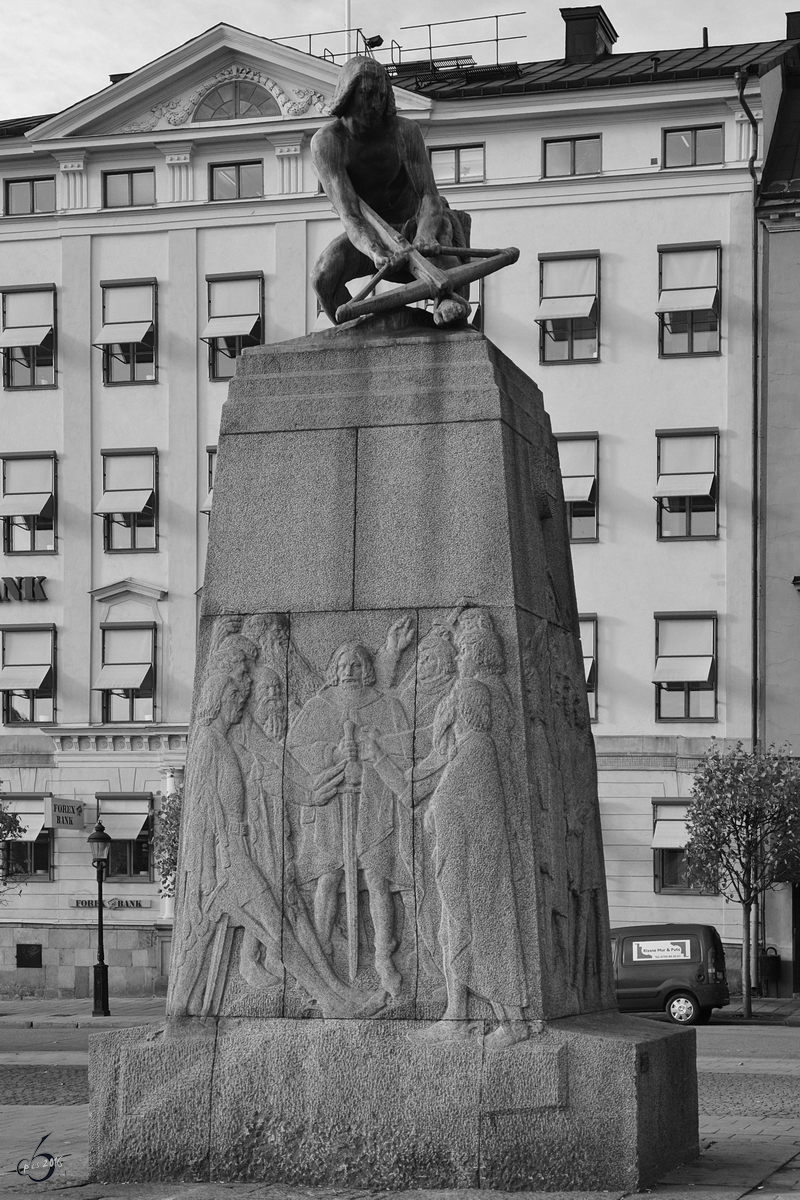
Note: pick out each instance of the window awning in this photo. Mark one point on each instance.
(684, 485)
(694, 668)
(123, 332)
(116, 676)
(206, 506)
(561, 308)
(700, 299)
(25, 504)
(134, 501)
(240, 326)
(669, 835)
(24, 678)
(24, 335)
(124, 817)
(578, 489)
(30, 810)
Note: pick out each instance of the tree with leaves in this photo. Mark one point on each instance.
(743, 824)
(166, 840)
(10, 831)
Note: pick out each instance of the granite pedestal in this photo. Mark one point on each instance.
(391, 962)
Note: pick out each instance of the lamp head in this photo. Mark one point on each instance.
(99, 843)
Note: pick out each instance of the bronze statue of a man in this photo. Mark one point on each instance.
(371, 154)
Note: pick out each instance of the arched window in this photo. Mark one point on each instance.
(236, 101)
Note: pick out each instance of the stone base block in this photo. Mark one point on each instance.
(597, 1101)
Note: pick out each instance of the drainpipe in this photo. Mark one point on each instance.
(740, 78)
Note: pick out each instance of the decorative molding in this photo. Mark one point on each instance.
(288, 155)
(74, 190)
(646, 762)
(128, 588)
(181, 180)
(88, 739)
(179, 109)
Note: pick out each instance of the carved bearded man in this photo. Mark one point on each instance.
(354, 723)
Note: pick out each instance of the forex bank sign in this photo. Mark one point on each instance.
(115, 902)
(22, 587)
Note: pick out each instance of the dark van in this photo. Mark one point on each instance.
(676, 969)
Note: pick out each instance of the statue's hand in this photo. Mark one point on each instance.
(400, 635)
(395, 260)
(327, 784)
(428, 246)
(371, 750)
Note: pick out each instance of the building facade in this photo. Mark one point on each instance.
(154, 230)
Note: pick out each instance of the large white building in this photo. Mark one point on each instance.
(154, 229)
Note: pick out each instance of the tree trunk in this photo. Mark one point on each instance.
(747, 1011)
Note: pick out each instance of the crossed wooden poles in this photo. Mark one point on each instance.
(432, 283)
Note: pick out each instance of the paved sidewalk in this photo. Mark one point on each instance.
(146, 1010)
(125, 1011)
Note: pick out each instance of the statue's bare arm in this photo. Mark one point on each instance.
(328, 156)
(418, 165)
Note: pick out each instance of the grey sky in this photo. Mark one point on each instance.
(55, 52)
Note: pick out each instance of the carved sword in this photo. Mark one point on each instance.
(349, 796)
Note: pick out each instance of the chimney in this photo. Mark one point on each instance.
(793, 26)
(590, 34)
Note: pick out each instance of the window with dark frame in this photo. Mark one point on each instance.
(578, 459)
(685, 671)
(27, 337)
(700, 146)
(689, 281)
(128, 333)
(687, 487)
(127, 189)
(28, 504)
(27, 674)
(27, 197)
(588, 635)
(670, 838)
(572, 156)
(27, 858)
(568, 315)
(127, 674)
(458, 164)
(237, 100)
(235, 320)
(129, 504)
(131, 858)
(237, 181)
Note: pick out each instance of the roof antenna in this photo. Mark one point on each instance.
(705, 37)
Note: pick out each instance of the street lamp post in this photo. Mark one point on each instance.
(100, 845)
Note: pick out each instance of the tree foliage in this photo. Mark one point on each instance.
(744, 822)
(10, 831)
(165, 848)
(743, 825)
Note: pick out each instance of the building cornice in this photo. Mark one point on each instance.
(168, 742)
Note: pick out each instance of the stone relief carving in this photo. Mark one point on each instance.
(559, 718)
(358, 814)
(179, 109)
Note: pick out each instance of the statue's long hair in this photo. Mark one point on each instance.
(352, 71)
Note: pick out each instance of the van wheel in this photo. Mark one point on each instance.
(683, 1009)
(704, 1016)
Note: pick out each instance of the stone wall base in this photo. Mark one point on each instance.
(599, 1101)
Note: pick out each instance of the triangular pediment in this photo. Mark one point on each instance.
(163, 96)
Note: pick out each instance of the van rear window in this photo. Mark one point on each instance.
(650, 950)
